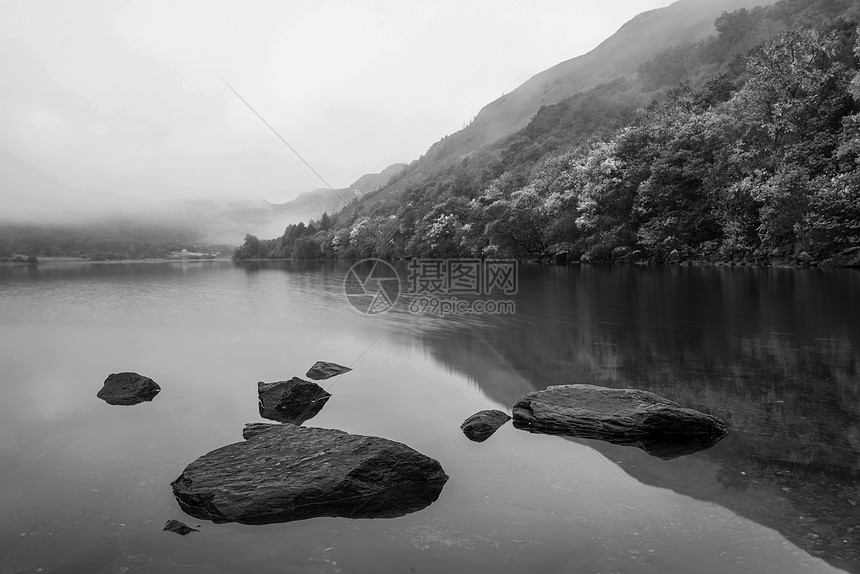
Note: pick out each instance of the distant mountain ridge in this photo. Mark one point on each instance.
(312, 204)
(229, 222)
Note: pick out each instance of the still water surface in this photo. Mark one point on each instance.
(775, 353)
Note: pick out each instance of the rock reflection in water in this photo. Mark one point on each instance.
(391, 503)
(664, 447)
(773, 352)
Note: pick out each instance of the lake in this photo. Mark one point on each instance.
(774, 352)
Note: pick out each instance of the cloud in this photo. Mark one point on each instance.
(107, 100)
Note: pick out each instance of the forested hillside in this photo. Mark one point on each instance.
(741, 147)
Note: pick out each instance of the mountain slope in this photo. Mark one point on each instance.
(312, 204)
(229, 222)
(621, 54)
(740, 147)
(373, 181)
(636, 42)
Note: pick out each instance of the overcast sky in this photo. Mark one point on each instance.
(107, 99)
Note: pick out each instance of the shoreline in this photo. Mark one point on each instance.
(548, 263)
(80, 260)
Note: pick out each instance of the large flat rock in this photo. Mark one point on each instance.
(622, 416)
(290, 472)
(128, 389)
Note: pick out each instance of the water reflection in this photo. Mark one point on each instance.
(296, 415)
(294, 402)
(664, 447)
(389, 503)
(772, 352)
(128, 401)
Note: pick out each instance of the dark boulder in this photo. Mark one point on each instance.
(673, 258)
(619, 253)
(481, 425)
(621, 416)
(178, 527)
(291, 473)
(293, 401)
(128, 389)
(322, 371)
(847, 258)
(628, 256)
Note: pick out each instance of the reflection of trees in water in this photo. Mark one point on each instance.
(772, 352)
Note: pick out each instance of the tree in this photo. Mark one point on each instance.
(833, 221)
(520, 225)
(797, 94)
(250, 248)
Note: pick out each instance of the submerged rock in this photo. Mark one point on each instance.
(178, 527)
(481, 425)
(622, 416)
(128, 389)
(322, 371)
(293, 401)
(289, 472)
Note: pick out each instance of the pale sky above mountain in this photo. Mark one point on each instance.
(119, 103)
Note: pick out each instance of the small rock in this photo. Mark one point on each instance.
(293, 401)
(636, 257)
(481, 425)
(178, 527)
(322, 371)
(128, 389)
(804, 257)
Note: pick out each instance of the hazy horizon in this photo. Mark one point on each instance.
(123, 107)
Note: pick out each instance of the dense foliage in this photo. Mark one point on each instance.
(743, 146)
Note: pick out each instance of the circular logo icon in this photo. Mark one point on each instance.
(372, 286)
